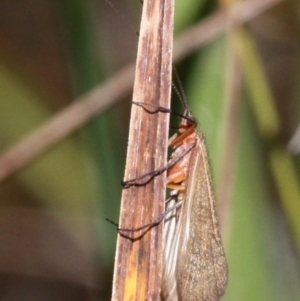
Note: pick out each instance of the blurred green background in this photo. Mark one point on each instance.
(243, 88)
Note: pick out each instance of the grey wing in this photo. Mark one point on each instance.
(201, 271)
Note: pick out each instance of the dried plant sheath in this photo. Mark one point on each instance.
(138, 262)
(195, 266)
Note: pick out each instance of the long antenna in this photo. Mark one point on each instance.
(180, 92)
(114, 8)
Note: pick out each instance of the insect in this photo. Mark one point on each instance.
(195, 266)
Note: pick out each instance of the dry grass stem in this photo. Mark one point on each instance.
(222, 21)
(66, 122)
(138, 263)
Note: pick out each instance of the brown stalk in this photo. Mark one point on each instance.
(138, 262)
(66, 122)
(220, 22)
(88, 106)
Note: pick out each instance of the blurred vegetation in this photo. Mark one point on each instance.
(243, 88)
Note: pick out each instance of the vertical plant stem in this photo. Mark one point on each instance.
(137, 274)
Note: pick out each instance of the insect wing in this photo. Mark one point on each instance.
(201, 268)
(171, 240)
